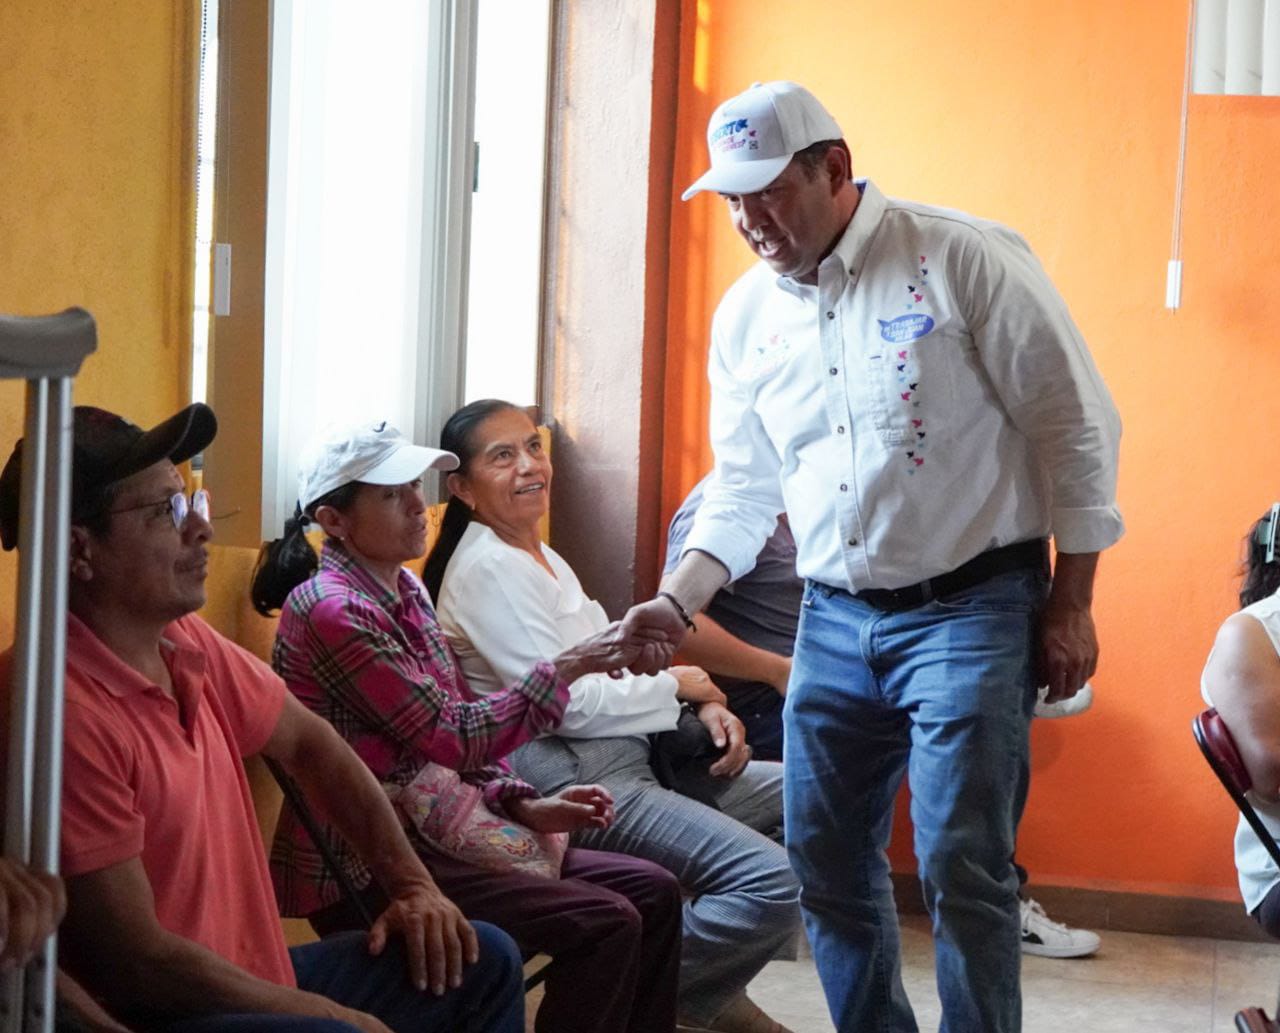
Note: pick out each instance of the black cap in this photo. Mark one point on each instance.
(107, 448)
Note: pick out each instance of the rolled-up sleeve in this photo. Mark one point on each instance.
(1047, 381)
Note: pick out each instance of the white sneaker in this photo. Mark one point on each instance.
(1077, 704)
(1043, 936)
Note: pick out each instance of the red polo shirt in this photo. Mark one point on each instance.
(160, 778)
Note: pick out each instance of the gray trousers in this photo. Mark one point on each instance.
(742, 899)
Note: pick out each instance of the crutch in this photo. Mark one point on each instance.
(46, 352)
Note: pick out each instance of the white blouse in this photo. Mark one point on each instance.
(1257, 872)
(503, 612)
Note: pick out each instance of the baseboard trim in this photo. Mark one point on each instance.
(1101, 910)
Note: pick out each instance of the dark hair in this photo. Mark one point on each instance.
(286, 562)
(810, 159)
(1261, 578)
(458, 437)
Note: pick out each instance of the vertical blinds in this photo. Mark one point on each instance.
(1237, 47)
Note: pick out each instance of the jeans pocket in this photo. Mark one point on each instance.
(813, 591)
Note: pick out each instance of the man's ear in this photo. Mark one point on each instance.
(457, 485)
(836, 162)
(81, 554)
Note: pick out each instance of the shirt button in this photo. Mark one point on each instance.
(831, 315)
(832, 371)
(840, 429)
(844, 487)
(853, 541)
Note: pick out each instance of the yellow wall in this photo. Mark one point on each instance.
(96, 117)
(1062, 121)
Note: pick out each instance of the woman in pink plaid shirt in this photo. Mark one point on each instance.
(359, 644)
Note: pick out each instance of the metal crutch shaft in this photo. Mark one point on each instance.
(47, 352)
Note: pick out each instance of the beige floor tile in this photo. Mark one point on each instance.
(1134, 984)
(1077, 1005)
(1135, 959)
(1249, 966)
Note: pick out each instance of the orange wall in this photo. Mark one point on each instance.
(1061, 120)
(96, 198)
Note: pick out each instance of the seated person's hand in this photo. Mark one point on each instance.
(32, 904)
(627, 643)
(573, 808)
(438, 937)
(728, 733)
(696, 686)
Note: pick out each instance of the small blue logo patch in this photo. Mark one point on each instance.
(736, 125)
(905, 328)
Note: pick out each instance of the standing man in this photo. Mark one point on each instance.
(745, 640)
(907, 385)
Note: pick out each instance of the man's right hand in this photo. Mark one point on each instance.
(438, 937)
(658, 621)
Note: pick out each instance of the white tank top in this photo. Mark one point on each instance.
(1257, 871)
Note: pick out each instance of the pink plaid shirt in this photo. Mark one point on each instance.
(375, 665)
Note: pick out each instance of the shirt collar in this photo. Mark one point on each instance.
(850, 252)
(335, 558)
(90, 656)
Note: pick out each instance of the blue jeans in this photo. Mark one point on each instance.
(490, 1000)
(943, 693)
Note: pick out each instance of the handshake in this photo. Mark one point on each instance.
(644, 642)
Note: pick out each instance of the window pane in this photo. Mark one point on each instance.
(344, 224)
(206, 140)
(505, 285)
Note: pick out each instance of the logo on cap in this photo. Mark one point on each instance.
(728, 137)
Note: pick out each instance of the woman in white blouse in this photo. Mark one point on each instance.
(504, 597)
(1242, 680)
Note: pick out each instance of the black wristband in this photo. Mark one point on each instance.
(684, 614)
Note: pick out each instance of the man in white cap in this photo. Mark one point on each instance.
(907, 385)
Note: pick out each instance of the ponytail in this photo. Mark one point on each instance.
(288, 561)
(283, 565)
(452, 527)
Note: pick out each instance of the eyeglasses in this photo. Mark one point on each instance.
(178, 506)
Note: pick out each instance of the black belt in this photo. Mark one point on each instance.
(1019, 556)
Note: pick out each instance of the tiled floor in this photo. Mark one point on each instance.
(1135, 983)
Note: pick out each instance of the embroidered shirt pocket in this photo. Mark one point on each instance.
(912, 397)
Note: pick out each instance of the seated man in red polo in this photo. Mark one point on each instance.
(171, 919)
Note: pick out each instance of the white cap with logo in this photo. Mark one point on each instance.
(753, 136)
(372, 453)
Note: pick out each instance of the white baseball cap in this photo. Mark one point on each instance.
(372, 453)
(753, 136)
